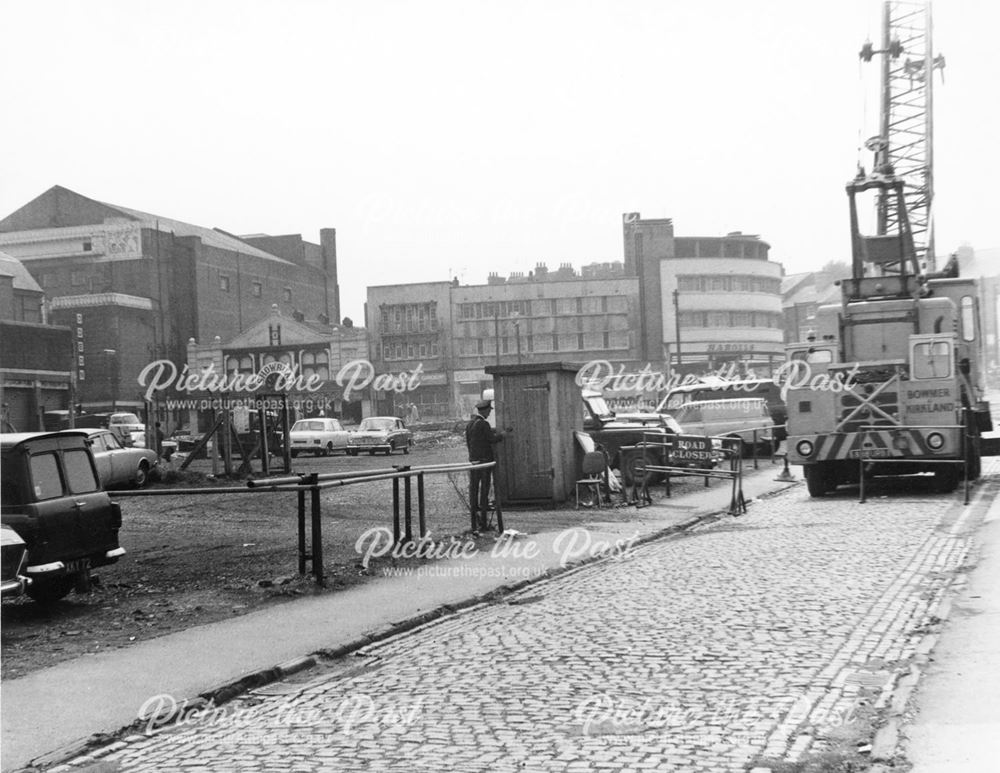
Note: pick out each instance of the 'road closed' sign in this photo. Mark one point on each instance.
(690, 448)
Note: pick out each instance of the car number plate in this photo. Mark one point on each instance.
(77, 565)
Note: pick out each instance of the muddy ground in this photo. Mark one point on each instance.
(196, 559)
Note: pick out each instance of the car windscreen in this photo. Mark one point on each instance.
(687, 413)
(377, 424)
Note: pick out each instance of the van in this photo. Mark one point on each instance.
(52, 497)
(747, 418)
(720, 389)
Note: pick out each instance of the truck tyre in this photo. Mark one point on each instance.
(818, 480)
(946, 478)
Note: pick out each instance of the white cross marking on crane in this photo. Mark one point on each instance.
(867, 402)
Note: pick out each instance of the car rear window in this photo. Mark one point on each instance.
(79, 471)
(45, 476)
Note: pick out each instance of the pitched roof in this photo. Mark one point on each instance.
(210, 236)
(60, 207)
(12, 267)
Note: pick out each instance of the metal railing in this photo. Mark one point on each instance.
(313, 483)
(668, 449)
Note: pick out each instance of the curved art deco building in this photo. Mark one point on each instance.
(721, 302)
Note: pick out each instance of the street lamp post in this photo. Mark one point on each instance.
(112, 357)
(677, 325)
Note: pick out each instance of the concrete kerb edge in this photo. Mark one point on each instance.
(82, 752)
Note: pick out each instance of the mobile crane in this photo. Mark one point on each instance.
(890, 382)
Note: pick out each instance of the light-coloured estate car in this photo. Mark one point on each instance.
(747, 418)
(318, 436)
(380, 433)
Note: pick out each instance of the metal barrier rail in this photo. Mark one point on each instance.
(313, 483)
(730, 448)
(964, 461)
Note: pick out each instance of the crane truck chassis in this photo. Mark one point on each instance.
(890, 382)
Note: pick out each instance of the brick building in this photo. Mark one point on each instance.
(306, 349)
(35, 357)
(139, 286)
(452, 331)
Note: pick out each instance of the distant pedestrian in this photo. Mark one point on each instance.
(414, 413)
(158, 432)
(480, 438)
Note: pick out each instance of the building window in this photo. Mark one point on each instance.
(87, 245)
(286, 295)
(78, 278)
(224, 283)
(256, 289)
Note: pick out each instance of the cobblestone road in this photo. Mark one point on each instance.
(766, 638)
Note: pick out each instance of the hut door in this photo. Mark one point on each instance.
(526, 453)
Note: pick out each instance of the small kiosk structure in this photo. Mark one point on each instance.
(538, 407)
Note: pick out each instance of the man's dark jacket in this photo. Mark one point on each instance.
(480, 437)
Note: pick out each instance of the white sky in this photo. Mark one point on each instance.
(456, 138)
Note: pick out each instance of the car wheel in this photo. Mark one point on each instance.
(390, 449)
(633, 468)
(372, 452)
(328, 451)
(406, 449)
(294, 454)
(142, 474)
(50, 591)
(352, 451)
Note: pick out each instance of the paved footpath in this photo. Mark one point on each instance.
(772, 638)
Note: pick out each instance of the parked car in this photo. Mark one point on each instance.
(318, 436)
(380, 433)
(128, 427)
(118, 465)
(51, 495)
(747, 418)
(613, 432)
(13, 558)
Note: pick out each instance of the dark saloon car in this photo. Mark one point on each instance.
(52, 497)
(380, 433)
